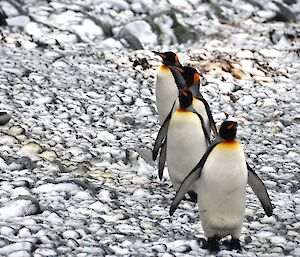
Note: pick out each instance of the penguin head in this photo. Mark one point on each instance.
(191, 76)
(192, 79)
(228, 130)
(169, 58)
(185, 99)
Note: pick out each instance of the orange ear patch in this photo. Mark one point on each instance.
(196, 78)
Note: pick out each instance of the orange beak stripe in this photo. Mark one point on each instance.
(179, 69)
(230, 126)
(184, 93)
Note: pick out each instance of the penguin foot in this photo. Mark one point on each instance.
(213, 244)
(193, 196)
(235, 244)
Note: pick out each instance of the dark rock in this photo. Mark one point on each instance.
(254, 3)
(128, 120)
(4, 118)
(290, 2)
(142, 62)
(284, 14)
(248, 239)
(219, 13)
(182, 33)
(3, 17)
(132, 41)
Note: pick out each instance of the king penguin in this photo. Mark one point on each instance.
(220, 180)
(192, 80)
(181, 128)
(166, 88)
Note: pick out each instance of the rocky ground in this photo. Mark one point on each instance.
(77, 79)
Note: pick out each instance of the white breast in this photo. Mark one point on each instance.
(222, 191)
(185, 145)
(166, 92)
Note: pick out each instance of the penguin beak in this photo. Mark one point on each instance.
(232, 125)
(160, 54)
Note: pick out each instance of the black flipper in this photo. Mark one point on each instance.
(260, 190)
(210, 117)
(179, 80)
(206, 133)
(162, 159)
(192, 177)
(162, 134)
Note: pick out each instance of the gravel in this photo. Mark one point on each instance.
(77, 177)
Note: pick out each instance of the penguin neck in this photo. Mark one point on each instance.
(230, 144)
(182, 110)
(164, 68)
(188, 109)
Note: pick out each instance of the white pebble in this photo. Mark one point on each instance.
(7, 231)
(246, 100)
(82, 195)
(278, 240)
(244, 54)
(70, 234)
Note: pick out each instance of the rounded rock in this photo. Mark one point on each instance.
(4, 118)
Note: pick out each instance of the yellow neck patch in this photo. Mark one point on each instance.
(182, 110)
(164, 68)
(229, 145)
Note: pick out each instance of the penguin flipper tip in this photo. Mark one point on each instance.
(269, 211)
(160, 175)
(154, 154)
